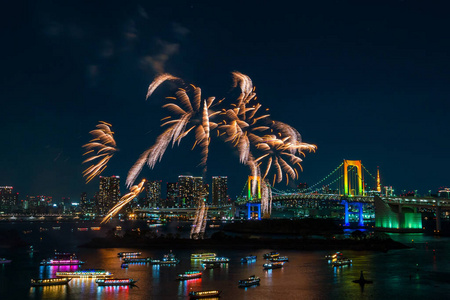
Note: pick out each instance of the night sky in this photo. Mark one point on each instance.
(364, 80)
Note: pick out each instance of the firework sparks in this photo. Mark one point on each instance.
(135, 190)
(158, 81)
(101, 148)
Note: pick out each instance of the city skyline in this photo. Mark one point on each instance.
(371, 88)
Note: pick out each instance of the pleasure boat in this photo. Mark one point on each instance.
(189, 275)
(221, 260)
(279, 258)
(342, 262)
(271, 255)
(248, 259)
(50, 281)
(4, 260)
(96, 273)
(202, 255)
(204, 294)
(115, 281)
(273, 265)
(128, 254)
(252, 280)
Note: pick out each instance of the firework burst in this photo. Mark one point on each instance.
(101, 148)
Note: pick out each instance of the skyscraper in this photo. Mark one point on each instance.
(219, 190)
(8, 199)
(109, 193)
(172, 194)
(152, 194)
(191, 190)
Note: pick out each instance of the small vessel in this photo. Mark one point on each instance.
(341, 262)
(189, 275)
(221, 260)
(61, 262)
(124, 266)
(362, 280)
(115, 281)
(248, 259)
(203, 294)
(96, 273)
(273, 265)
(128, 254)
(168, 259)
(4, 260)
(82, 229)
(209, 266)
(279, 258)
(202, 255)
(333, 256)
(96, 228)
(252, 280)
(56, 228)
(50, 281)
(271, 255)
(135, 260)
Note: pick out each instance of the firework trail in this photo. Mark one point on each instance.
(184, 112)
(199, 224)
(101, 148)
(266, 199)
(135, 190)
(158, 81)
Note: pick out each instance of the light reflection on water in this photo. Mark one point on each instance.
(412, 273)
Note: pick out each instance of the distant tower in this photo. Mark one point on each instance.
(378, 180)
(219, 190)
(109, 192)
(153, 193)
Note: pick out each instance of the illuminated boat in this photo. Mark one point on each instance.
(168, 259)
(247, 259)
(204, 294)
(96, 273)
(220, 260)
(209, 266)
(135, 260)
(271, 255)
(333, 256)
(342, 262)
(124, 266)
(82, 229)
(273, 265)
(4, 261)
(279, 258)
(115, 281)
(50, 281)
(56, 228)
(128, 254)
(252, 280)
(61, 262)
(189, 275)
(95, 228)
(202, 255)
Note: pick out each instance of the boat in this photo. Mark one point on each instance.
(273, 265)
(247, 259)
(221, 260)
(271, 255)
(56, 228)
(252, 280)
(128, 254)
(135, 260)
(124, 266)
(202, 255)
(50, 281)
(333, 256)
(4, 261)
(95, 228)
(168, 259)
(279, 258)
(189, 275)
(342, 262)
(204, 294)
(362, 280)
(82, 229)
(96, 273)
(209, 266)
(115, 281)
(61, 262)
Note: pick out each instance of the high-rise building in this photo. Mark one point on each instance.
(109, 193)
(152, 194)
(172, 194)
(185, 190)
(219, 190)
(8, 199)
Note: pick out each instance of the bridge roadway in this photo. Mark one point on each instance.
(179, 210)
(410, 201)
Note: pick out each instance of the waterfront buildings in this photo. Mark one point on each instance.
(172, 197)
(8, 198)
(191, 190)
(109, 192)
(219, 190)
(152, 194)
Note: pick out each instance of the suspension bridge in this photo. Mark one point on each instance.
(348, 186)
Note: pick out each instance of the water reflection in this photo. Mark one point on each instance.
(49, 292)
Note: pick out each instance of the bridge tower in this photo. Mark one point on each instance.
(378, 180)
(254, 209)
(347, 186)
